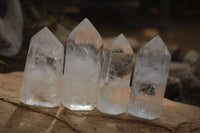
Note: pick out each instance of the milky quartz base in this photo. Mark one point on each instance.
(115, 77)
(149, 80)
(113, 97)
(82, 67)
(43, 71)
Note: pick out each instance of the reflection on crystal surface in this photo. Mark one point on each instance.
(43, 71)
(82, 67)
(115, 77)
(149, 80)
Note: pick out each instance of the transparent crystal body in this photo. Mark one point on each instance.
(115, 77)
(149, 80)
(82, 67)
(43, 71)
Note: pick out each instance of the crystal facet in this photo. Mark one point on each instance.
(43, 71)
(115, 77)
(82, 67)
(149, 80)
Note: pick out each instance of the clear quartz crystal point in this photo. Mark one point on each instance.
(115, 77)
(82, 67)
(149, 80)
(43, 71)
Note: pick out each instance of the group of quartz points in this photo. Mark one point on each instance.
(95, 75)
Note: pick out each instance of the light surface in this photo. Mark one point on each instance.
(82, 67)
(115, 77)
(43, 71)
(149, 80)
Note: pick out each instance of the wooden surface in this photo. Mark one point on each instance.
(16, 117)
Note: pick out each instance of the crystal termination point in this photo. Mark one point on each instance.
(149, 80)
(115, 77)
(43, 71)
(82, 67)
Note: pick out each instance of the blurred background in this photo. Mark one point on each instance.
(176, 21)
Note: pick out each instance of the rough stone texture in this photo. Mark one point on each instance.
(11, 29)
(43, 71)
(82, 67)
(18, 117)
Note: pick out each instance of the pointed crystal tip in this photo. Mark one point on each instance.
(85, 33)
(121, 44)
(45, 36)
(158, 45)
(43, 31)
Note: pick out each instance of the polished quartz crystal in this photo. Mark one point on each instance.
(149, 80)
(43, 71)
(82, 67)
(115, 77)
